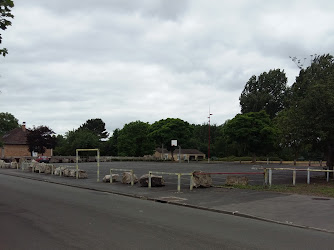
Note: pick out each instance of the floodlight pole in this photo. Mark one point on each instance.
(209, 137)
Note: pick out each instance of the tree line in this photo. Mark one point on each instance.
(275, 120)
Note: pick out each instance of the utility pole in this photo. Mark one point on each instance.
(209, 137)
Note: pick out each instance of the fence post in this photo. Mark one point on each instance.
(327, 175)
(191, 181)
(294, 178)
(149, 180)
(110, 176)
(132, 178)
(178, 182)
(77, 164)
(270, 176)
(98, 166)
(308, 176)
(266, 176)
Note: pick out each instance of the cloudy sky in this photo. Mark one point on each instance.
(128, 60)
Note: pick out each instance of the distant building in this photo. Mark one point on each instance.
(15, 144)
(185, 154)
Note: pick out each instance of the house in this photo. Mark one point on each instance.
(15, 144)
(185, 154)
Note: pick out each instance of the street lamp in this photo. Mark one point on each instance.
(209, 137)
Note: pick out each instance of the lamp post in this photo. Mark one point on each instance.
(209, 137)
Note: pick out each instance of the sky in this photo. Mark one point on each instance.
(147, 60)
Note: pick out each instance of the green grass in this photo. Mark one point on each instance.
(319, 188)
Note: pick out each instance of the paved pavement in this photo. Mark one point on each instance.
(290, 209)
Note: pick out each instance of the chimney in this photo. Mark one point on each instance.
(24, 126)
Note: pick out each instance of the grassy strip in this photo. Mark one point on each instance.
(315, 189)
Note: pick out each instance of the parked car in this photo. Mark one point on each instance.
(44, 159)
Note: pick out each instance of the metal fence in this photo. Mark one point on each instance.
(269, 174)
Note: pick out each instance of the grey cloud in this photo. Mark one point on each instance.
(162, 9)
(119, 60)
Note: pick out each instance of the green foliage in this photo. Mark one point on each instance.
(163, 131)
(81, 138)
(253, 132)
(133, 140)
(266, 92)
(40, 138)
(96, 126)
(311, 112)
(200, 138)
(109, 147)
(7, 123)
(113, 142)
(5, 14)
(290, 137)
(61, 144)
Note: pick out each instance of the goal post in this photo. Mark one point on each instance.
(97, 156)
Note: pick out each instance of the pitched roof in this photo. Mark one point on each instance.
(191, 151)
(183, 151)
(17, 136)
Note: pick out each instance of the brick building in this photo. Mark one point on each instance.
(15, 144)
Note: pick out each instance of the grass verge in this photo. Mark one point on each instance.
(314, 189)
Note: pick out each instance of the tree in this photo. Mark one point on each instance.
(200, 137)
(7, 123)
(289, 134)
(266, 92)
(163, 131)
(61, 145)
(133, 140)
(97, 126)
(253, 131)
(113, 142)
(312, 102)
(80, 138)
(5, 14)
(40, 138)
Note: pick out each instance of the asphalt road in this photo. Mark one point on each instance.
(140, 168)
(41, 215)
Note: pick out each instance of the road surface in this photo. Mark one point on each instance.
(41, 215)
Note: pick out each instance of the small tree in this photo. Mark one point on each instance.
(39, 139)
